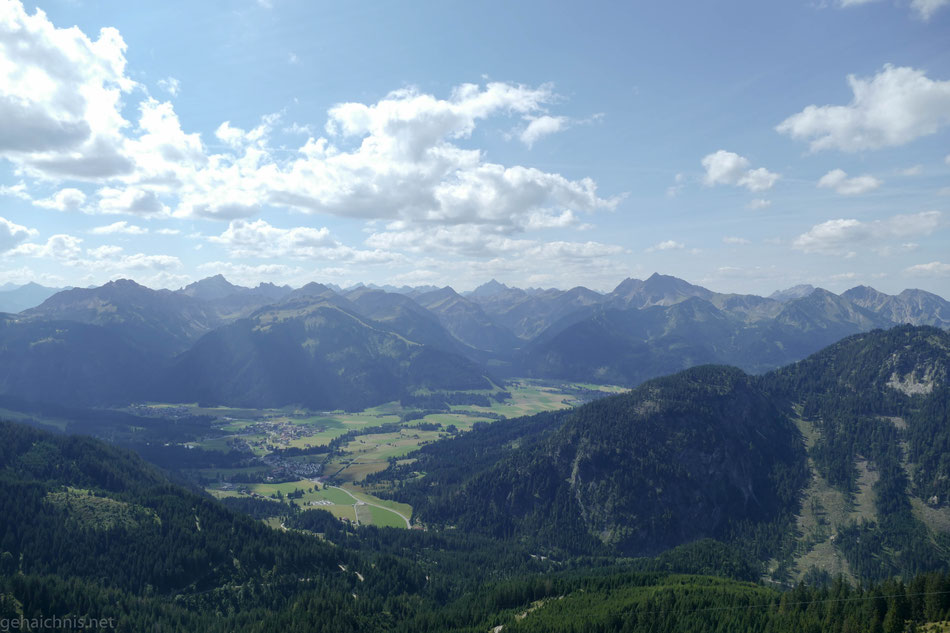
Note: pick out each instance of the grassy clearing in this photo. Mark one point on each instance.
(382, 518)
(350, 464)
(825, 509)
(100, 513)
(936, 519)
(403, 508)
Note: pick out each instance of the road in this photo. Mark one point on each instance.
(357, 502)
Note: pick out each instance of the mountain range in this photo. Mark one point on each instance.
(328, 347)
(832, 465)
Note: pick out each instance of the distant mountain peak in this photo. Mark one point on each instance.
(489, 289)
(123, 283)
(795, 292)
(313, 287)
(210, 288)
(657, 281)
(657, 289)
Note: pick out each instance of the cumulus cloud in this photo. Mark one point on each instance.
(842, 236)
(60, 247)
(541, 126)
(131, 201)
(838, 180)
(399, 161)
(15, 191)
(12, 234)
(935, 268)
(729, 168)
(60, 96)
(68, 199)
(102, 262)
(393, 159)
(668, 245)
(734, 240)
(896, 106)
(259, 239)
(121, 227)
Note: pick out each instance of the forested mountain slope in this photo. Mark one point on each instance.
(701, 453)
(835, 464)
(314, 353)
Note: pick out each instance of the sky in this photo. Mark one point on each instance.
(746, 146)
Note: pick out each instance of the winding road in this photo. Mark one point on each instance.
(357, 502)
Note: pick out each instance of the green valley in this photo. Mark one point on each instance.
(321, 459)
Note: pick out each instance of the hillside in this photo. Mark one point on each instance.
(679, 330)
(876, 409)
(835, 464)
(159, 322)
(63, 361)
(314, 353)
(694, 455)
(23, 297)
(641, 330)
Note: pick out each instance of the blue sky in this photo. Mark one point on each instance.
(744, 146)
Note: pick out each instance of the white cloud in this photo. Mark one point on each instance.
(541, 126)
(729, 168)
(104, 252)
(60, 97)
(923, 8)
(894, 107)
(12, 234)
(675, 189)
(668, 245)
(842, 236)
(170, 85)
(934, 268)
(103, 262)
(122, 227)
(16, 191)
(759, 204)
(260, 239)
(926, 8)
(906, 247)
(134, 201)
(168, 232)
(394, 159)
(398, 161)
(735, 240)
(60, 247)
(252, 274)
(68, 199)
(838, 180)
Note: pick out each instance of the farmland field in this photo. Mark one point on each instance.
(320, 459)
